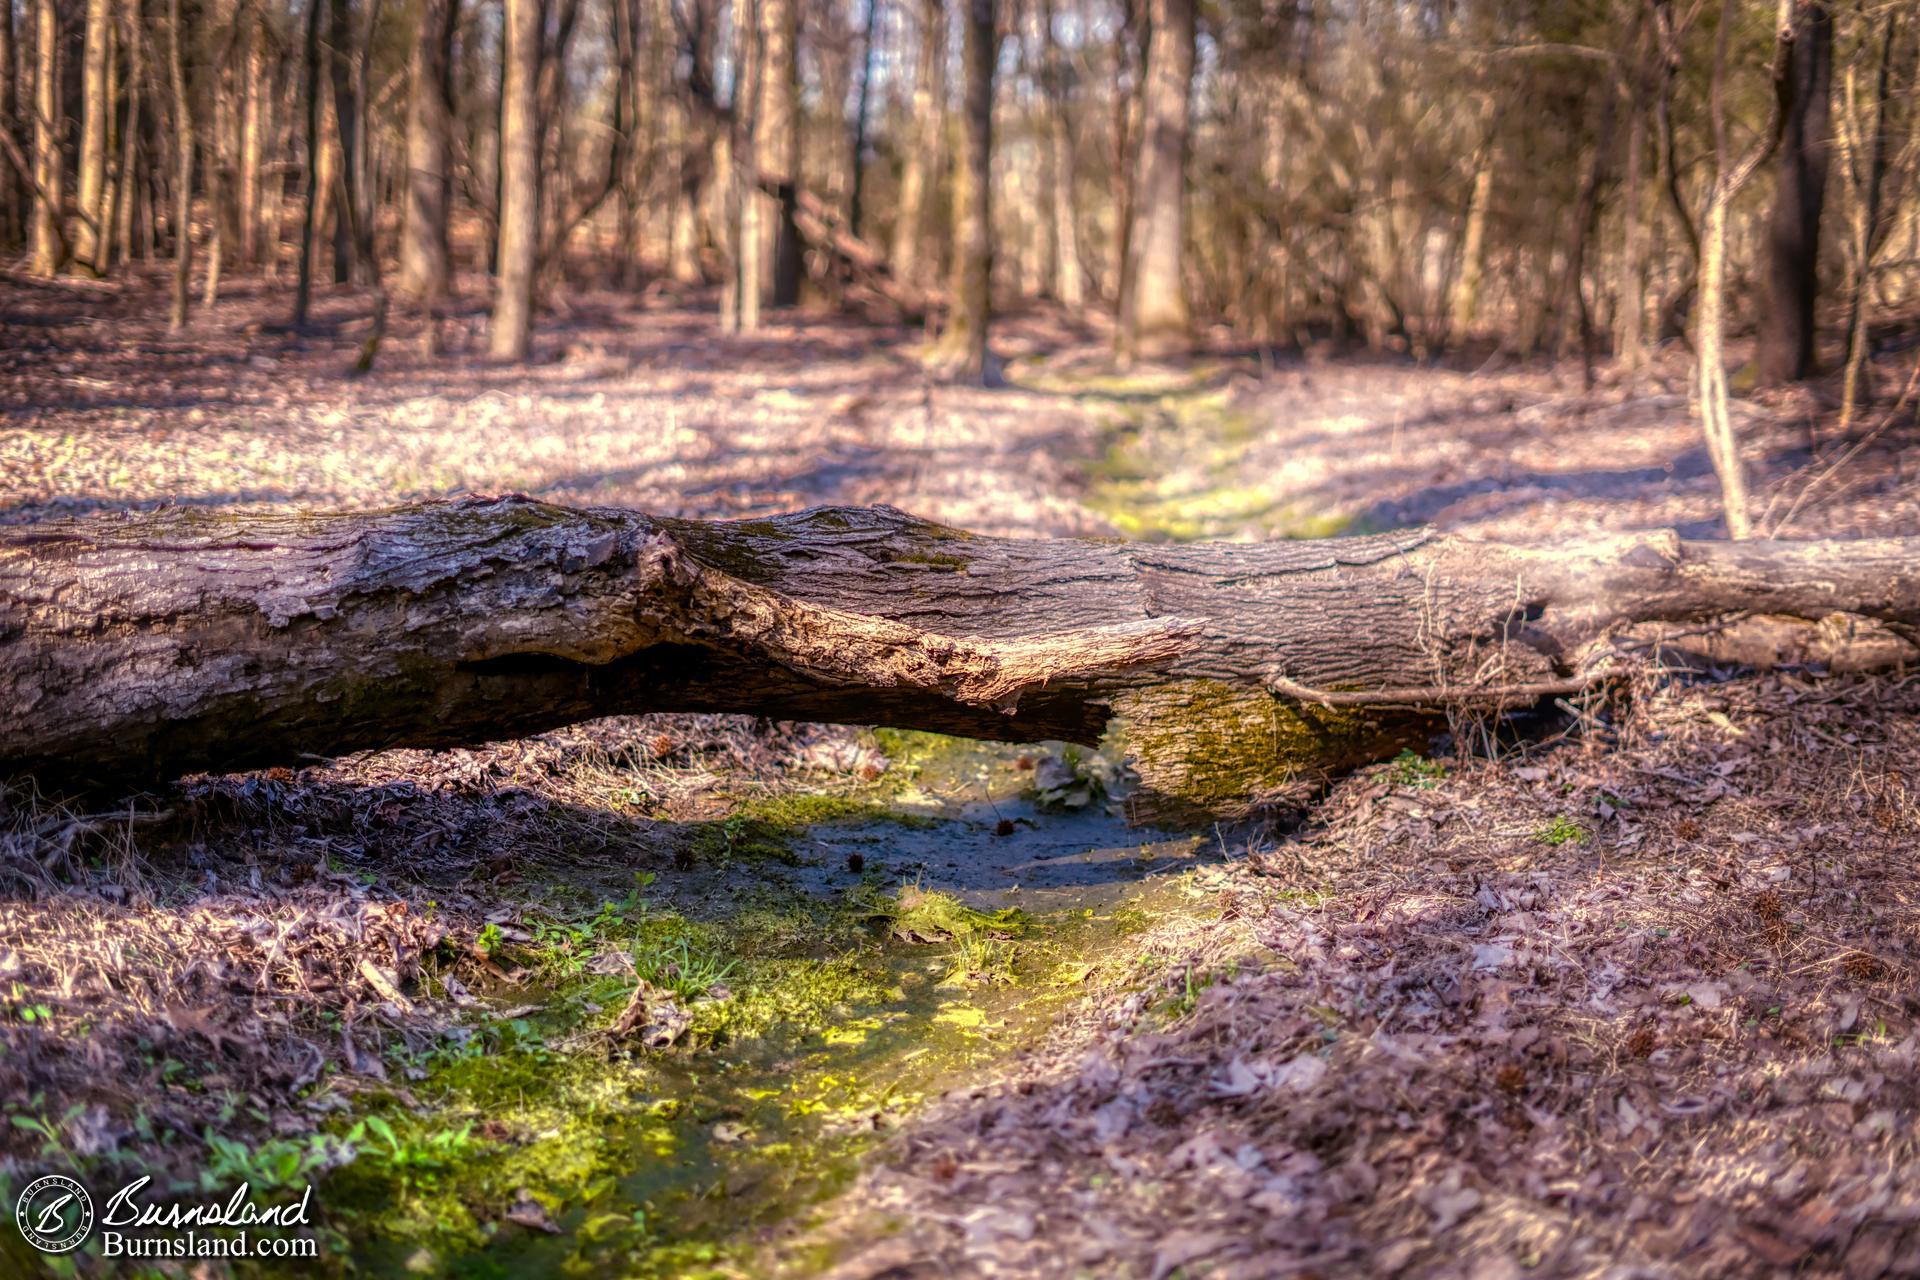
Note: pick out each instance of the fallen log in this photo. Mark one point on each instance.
(141, 647)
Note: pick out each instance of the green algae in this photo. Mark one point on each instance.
(667, 1163)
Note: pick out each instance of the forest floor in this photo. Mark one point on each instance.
(1633, 998)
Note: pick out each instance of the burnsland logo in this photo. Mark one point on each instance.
(54, 1214)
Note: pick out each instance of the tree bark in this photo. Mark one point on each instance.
(1068, 282)
(310, 196)
(1864, 162)
(49, 167)
(12, 190)
(857, 166)
(423, 246)
(742, 210)
(126, 200)
(96, 97)
(1729, 176)
(183, 168)
(511, 335)
(961, 354)
(1155, 321)
(1473, 245)
(253, 137)
(347, 266)
(1785, 351)
(923, 156)
(140, 647)
(776, 141)
(1629, 340)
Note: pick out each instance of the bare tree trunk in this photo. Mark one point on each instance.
(1710, 345)
(1793, 244)
(857, 166)
(91, 244)
(776, 139)
(49, 168)
(183, 168)
(346, 110)
(13, 223)
(134, 41)
(961, 354)
(1586, 214)
(742, 211)
(1155, 321)
(1473, 245)
(1629, 339)
(219, 84)
(511, 335)
(1866, 176)
(925, 150)
(1069, 282)
(1241, 675)
(254, 127)
(423, 245)
(310, 197)
(1129, 80)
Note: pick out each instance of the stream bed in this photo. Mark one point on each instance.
(811, 984)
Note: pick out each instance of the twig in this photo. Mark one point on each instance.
(1436, 695)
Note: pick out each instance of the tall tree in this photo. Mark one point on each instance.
(11, 189)
(1793, 235)
(183, 166)
(1155, 321)
(858, 160)
(133, 38)
(1068, 283)
(346, 134)
(1729, 176)
(776, 138)
(91, 244)
(740, 212)
(511, 334)
(255, 126)
(49, 166)
(310, 193)
(927, 119)
(423, 246)
(1128, 91)
(962, 352)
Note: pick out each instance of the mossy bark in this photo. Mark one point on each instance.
(145, 646)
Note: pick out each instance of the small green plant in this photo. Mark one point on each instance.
(488, 943)
(52, 1133)
(672, 963)
(1187, 996)
(982, 958)
(274, 1165)
(1563, 830)
(411, 1157)
(1414, 770)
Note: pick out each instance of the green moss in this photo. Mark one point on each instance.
(936, 560)
(921, 915)
(1174, 470)
(791, 813)
(1207, 747)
